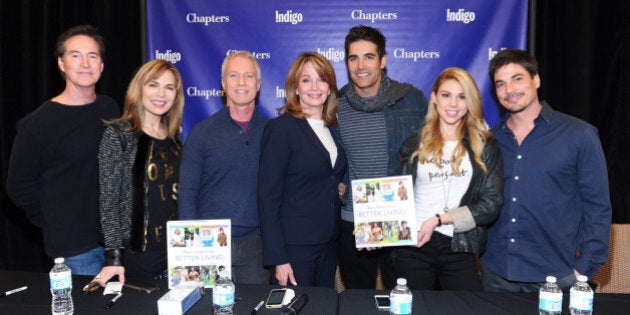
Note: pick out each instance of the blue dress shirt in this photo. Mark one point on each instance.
(556, 213)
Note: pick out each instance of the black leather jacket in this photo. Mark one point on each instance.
(483, 198)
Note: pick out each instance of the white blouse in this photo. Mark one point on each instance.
(324, 135)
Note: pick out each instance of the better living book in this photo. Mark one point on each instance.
(198, 250)
(384, 213)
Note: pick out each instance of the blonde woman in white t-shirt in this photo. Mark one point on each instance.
(458, 187)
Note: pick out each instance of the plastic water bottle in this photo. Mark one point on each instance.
(550, 298)
(223, 295)
(400, 299)
(581, 302)
(61, 288)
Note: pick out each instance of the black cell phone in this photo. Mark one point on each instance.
(382, 302)
(275, 298)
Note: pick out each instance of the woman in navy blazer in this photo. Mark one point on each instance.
(301, 165)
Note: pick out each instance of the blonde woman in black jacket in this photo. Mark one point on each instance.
(458, 187)
(138, 161)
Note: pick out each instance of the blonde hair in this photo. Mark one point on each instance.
(326, 72)
(133, 108)
(472, 124)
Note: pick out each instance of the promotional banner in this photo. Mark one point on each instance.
(423, 38)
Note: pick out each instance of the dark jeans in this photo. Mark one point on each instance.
(247, 262)
(494, 283)
(435, 265)
(89, 263)
(358, 268)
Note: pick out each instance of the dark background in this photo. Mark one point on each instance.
(582, 47)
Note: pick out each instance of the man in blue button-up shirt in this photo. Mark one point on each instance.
(556, 213)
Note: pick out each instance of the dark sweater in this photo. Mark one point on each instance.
(53, 172)
(219, 173)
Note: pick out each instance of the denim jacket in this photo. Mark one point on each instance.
(403, 119)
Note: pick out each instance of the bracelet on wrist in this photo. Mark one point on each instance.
(437, 215)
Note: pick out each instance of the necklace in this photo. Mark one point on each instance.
(446, 194)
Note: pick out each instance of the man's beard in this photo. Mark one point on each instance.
(517, 109)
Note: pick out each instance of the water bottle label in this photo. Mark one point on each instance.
(60, 280)
(550, 301)
(582, 300)
(401, 305)
(222, 295)
(403, 308)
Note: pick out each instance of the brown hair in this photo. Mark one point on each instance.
(516, 56)
(326, 72)
(85, 30)
(133, 108)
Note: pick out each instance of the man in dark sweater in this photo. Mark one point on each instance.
(53, 170)
(219, 167)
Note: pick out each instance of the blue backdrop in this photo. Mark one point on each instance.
(423, 38)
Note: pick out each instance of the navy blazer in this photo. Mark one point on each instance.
(298, 198)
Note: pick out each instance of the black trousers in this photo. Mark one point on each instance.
(313, 265)
(358, 268)
(436, 266)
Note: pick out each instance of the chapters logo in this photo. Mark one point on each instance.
(257, 55)
(373, 16)
(170, 56)
(198, 92)
(460, 16)
(194, 18)
(332, 54)
(402, 53)
(289, 17)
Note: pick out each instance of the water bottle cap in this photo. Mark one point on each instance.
(59, 260)
(551, 279)
(401, 281)
(582, 278)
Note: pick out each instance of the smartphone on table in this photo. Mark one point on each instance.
(276, 298)
(382, 302)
